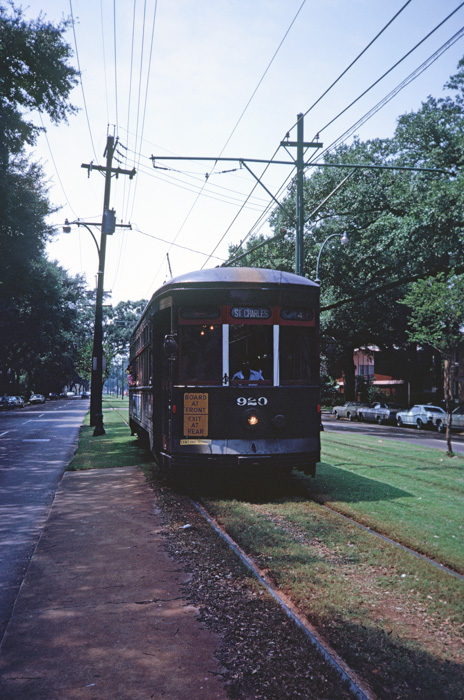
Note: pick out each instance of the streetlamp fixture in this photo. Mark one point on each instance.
(96, 386)
(343, 240)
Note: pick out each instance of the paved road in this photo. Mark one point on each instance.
(425, 438)
(36, 444)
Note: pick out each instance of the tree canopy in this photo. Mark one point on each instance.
(402, 225)
(436, 318)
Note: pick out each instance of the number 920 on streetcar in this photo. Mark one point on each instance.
(224, 371)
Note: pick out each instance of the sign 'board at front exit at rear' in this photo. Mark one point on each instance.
(195, 414)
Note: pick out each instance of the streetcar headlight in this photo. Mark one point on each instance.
(251, 419)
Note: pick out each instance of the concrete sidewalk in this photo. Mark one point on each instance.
(100, 614)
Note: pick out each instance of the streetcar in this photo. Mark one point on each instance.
(224, 373)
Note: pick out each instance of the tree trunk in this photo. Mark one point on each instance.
(349, 373)
(448, 375)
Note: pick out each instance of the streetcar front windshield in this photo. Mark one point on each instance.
(250, 352)
(200, 351)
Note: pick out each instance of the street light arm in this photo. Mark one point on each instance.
(333, 235)
(67, 229)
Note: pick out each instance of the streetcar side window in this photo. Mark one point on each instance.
(200, 352)
(250, 352)
(295, 354)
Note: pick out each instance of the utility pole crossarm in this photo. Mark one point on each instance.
(104, 169)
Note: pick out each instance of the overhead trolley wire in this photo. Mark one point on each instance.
(228, 140)
(263, 76)
(310, 108)
(412, 76)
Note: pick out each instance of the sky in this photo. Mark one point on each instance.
(210, 79)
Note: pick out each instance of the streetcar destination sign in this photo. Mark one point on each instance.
(248, 312)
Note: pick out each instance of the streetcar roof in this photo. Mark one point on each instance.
(238, 275)
(230, 277)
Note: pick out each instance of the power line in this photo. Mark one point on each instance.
(129, 101)
(385, 100)
(146, 94)
(115, 66)
(104, 61)
(313, 105)
(409, 79)
(235, 127)
(80, 77)
(392, 68)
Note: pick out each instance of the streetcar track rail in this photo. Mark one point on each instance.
(356, 685)
(413, 552)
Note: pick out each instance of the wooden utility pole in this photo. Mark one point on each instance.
(107, 228)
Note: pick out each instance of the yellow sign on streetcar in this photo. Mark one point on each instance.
(195, 414)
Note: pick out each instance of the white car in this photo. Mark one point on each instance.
(37, 398)
(457, 420)
(422, 416)
(379, 412)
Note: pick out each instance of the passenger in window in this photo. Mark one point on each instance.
(246, 372)
(131, 378)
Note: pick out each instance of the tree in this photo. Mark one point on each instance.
(402, 225)
(437, 318)
(37, 298)
(40, 348)
(34, 76)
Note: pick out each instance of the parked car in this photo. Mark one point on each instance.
(17, 401)
(53, 396)
(85, 395)
(37, 398)
(11, 401)
(422, 416)
(379, 412)
(457, 420)
(348, 410)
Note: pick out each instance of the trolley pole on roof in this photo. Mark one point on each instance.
(108, 227)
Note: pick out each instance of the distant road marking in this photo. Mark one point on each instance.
(36, 440)
(2, 434)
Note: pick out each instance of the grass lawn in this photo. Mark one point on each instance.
(117, 448)
(397, 619)
(414, 495)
